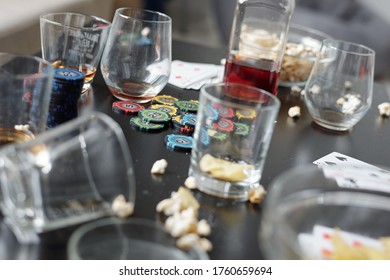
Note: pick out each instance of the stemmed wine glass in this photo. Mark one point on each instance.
(136, 62)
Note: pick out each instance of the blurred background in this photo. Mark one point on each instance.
(208, 22)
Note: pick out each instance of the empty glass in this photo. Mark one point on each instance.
(136, 61)
(68, 175)
(26, 84)
(74, 41)
(339, 90)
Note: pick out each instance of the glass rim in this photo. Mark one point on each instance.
(44, 17)
(275, 100)
(45, 72)
(163, 18)
(340, 46)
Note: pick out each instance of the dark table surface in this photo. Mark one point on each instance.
(235, 225)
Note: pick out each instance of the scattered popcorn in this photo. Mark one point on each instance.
(350, 104)
(296, 89)
(384, 109)
(121, 207)
(205, 244)
(203, 228)
(190, 240)
(159, 167)
(348, 85)
(294, 112)
(190, 183)
(22, 127)
(340, 101)
(256, 195)
(315, 89)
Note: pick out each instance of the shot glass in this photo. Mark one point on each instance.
(136, 61)
(25, 83)
(74, 41)
(257, 43)
(68, 175)
(233, 131)
(339, 90)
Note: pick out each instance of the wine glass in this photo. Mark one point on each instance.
(339, 90)
(136, 62)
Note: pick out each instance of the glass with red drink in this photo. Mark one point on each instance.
(257, 42)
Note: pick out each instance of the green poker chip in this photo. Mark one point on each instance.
(154, 116)
(190, 106)
(141, 125)
(241, 129)
(171, 110)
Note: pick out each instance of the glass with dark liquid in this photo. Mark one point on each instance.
(257, 43)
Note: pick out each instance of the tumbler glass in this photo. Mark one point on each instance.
(339, 91)
(233, 131)
(74, 41)
(257, 42)
(26, 83)
(65, 176)
(136, 61)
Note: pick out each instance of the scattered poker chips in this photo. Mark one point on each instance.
(241, 129)
(127, 107)
(184, 126)
(178, 142)
(223, 124)
(224, 112)
(245, 115)
(66, 90)
(141, 125)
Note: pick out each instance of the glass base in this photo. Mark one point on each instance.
(237, 191)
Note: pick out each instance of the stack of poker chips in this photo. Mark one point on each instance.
(66, 91)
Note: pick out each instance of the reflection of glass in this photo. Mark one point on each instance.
(136, 62)
(74, 41)
(62, 177)
(25, 83)
(257, 42)
(338, 92)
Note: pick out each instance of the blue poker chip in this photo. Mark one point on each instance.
(189, 120)
(204, 137)
(68, 75)
(211, 113)
(180, 143)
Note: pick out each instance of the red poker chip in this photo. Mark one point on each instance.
(224, 125)
(127, 107)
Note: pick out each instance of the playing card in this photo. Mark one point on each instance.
(185, 74)
(353, 173)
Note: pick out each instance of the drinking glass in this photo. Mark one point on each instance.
(136, 61)
(339, 90)
(25, 83)
(257, 42)
(233, 131)
(74, 41)
(68, 175)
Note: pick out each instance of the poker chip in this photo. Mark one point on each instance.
(224, 125)
(171, 110)
(223, 111)
(181, 127)
(211, 113)
(141, 125)
(154, 116)
(67, 86)
(164, 100)
(217, 136)
(185, 106)
(189, 120)
(204, 137)
(180, 143)
(246, 114)
(241, 129)
(127, 107)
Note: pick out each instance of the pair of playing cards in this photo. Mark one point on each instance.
(319, 244)
(353, 173)
(190, 75)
